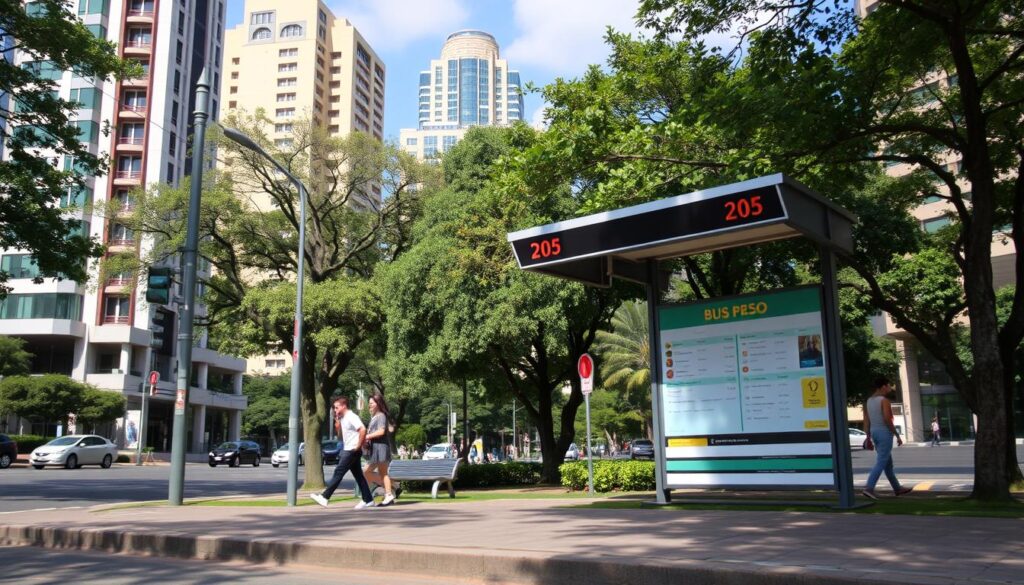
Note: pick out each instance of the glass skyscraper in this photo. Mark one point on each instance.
(470, 85)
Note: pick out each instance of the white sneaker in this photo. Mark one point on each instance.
(388, 498)
(319, 499)
(362, 505)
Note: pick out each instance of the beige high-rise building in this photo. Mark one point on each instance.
(297, 60)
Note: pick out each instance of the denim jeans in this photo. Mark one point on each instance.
(882, 440)
(349, 461)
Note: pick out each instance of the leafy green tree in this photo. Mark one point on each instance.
(267, 412)
(412, 435)
(249, 232)
(14, 360)
(99, 407)
(458, 305)
(49, 398)
(40, 126)
(624, 360)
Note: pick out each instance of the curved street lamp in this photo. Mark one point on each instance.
(293, 402)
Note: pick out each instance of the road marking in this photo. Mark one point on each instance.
(43, 510)
(924, 486)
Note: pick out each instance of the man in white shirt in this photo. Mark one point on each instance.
(353, 434)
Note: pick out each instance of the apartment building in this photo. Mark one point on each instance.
(100, 332)
(297, 61)
(927, 390)
(470, 85)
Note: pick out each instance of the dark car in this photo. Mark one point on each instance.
(331, 451)
(235, 453)
(641, 449)
(8, 451)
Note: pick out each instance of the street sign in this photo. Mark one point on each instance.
(154, 377)
(585, 367)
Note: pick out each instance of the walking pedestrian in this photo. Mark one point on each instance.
(380, 451)
(936, 430)
(878, 423)
(353, 433)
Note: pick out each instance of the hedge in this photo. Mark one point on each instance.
(490, 475)
(26, 443)
(629, 476)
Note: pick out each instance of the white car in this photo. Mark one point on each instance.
(280, 457)
(74, 451)
(439, 451)
(573, 453)
(857, 438)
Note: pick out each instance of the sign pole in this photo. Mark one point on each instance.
(834, 369)
(154, 377)
(585, 367)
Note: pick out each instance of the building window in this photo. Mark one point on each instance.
(135, 101)
(115, 310)
(177, 81)
(274, 363)
(234, 75)
(129, 167)
(181, 22)
(429, 146)
(172, 144)
(292, 52)
(411, 141)
(121, 235)
(262, 34)
(935, 224)
(282, 127)
(235, 61)
(336, 55)
(42, 306)
(286, 97)
(174, 112)
(284, 112)
(262, 18)
(131, 134)
(287, 82)
(291, 31)
(286, 67)
(283, 142)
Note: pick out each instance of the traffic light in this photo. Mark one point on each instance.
(158, 285)
(162, 327)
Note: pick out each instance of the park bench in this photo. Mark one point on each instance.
(435, 470)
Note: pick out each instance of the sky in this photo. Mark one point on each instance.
(542, 39)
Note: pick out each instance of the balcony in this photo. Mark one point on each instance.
(115, 319)
(129, 144)
(138, 47)
(140, 16)
(128, 178)
(142, 81)
(120, 246)
(131, 112)
(117, 285)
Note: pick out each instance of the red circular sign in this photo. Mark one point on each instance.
(585, 366)
(154, 377)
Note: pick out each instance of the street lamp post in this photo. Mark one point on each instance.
(293, 402)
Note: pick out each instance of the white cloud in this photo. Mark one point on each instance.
(391, 25)
(563, 38)
(537, 119)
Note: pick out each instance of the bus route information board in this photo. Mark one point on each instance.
(744, 393)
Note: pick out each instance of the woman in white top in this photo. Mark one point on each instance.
(881, 430)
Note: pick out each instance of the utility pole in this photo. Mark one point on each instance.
(176, 485)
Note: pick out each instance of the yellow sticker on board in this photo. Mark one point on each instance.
(815, 424)
(814, 392)
(691, 442)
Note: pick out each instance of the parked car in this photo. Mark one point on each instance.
(857, 438)
(8, 451)
(573, 454)
(641, 449)
(235, 453)
(331, 451)
(439, 451)
(74, 451)
(280, 456)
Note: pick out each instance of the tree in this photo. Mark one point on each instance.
(249, 231)
(267, 411)
(100, 406)
(40, 127)
(625, 362)
(412, 435)
(14, 360)
(874, 91)
(459, 306)
(50, 398)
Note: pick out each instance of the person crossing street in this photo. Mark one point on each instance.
(353, 434)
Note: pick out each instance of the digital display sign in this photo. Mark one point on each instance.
(684, 220)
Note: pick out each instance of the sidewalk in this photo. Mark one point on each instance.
(549, 541)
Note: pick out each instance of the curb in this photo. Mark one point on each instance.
(493, 566)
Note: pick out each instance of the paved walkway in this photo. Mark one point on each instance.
(554, 541)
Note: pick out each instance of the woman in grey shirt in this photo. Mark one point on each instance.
(379, 456)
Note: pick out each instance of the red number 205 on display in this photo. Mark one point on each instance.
(743, 208)
(546, 248)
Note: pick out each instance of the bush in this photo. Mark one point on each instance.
(510, 474)
(632, 476)
(26, 443)
(123, 459)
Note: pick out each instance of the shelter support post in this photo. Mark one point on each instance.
(663, 494)
(836, 379)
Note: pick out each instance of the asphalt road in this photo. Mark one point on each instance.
(32, 565)
(23, 488)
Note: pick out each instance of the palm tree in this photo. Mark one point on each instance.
(626, 360)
